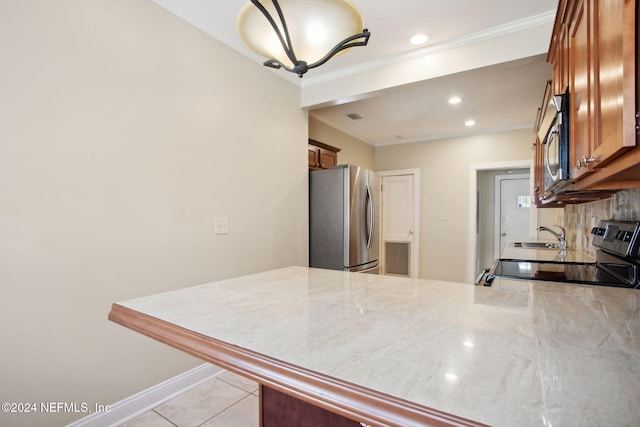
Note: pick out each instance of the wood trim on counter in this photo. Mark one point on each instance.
(341, 397)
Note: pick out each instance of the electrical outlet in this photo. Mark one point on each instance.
(222, 225)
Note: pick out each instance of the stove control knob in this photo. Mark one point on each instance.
(598, 231)
(620, 235)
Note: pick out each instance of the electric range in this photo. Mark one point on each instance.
(617, 261)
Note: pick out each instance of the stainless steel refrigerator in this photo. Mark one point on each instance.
(344, 218)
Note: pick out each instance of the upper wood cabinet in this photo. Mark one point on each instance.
(321, 155)
(614, 79)
(582, 90)
(538, 172)
(593, 52)
(559, 52)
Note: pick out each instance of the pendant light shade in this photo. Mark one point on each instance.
(298, 35)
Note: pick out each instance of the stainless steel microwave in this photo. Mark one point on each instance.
(554, 137)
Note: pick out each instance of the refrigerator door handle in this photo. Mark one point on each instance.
(370, 217)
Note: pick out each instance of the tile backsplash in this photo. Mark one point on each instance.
(579, 219)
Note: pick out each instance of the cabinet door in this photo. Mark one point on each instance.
(561, 61)
(328, 158)
(614, 79)
(538, 173)
(581, 95)
(314, 156)
(321, 155)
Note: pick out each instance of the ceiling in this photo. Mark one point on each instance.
(490, 53)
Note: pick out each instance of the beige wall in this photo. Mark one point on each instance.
(444, 191)
(352, 150)
(123, 133)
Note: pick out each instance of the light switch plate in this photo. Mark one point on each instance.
(221, 225)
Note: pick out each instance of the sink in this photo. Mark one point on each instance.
(536, 245)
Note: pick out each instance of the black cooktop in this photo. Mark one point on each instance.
(556, 272)
(617, 263)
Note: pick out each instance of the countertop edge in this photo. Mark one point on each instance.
(358, 403)
(546, 255)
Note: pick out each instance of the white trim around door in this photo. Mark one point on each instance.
(473, 206)
(498, 207)
(415, 246)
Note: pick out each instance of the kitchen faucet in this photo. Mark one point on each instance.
(560, 236)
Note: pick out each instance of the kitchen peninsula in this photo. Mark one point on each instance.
(384, 350)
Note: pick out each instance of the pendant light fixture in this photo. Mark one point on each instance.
(298, 35)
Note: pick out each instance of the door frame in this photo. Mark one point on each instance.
(472, 250)
(415, 246)
(497, 223)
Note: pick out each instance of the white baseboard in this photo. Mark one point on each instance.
(139, 403)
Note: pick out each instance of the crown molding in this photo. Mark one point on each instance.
(438, 137)
(469, 39)
(477, 37)
(464, 134)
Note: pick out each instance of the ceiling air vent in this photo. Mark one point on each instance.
(354, 116)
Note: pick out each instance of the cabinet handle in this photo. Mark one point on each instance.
(585, 161)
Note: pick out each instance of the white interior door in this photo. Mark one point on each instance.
(513, 213)
(399, 224)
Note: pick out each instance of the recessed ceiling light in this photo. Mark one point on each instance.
(470, 123)
(454, 100)
(418, 39)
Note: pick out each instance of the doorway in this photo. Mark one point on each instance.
(512, 210)
(482, 220)
(400, 222)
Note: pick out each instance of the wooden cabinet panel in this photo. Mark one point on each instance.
(614, 82)
(328, 158)
(278, 409)
(321, 155)
(538, 162)
(560, 60)
(538, 173)
(581, 91)
(314, 156)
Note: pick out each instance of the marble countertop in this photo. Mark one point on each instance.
(555, 255)
(516, 353)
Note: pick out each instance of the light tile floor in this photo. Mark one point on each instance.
(227, 400)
